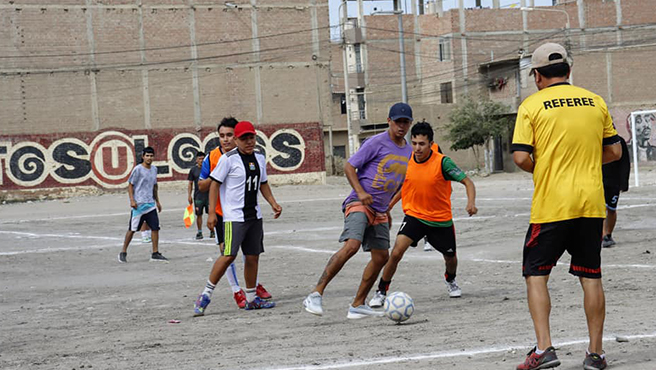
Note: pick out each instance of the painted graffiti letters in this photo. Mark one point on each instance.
(29, 163)
(71, 158)
(182, 151)
(289, 150)
(108, 158)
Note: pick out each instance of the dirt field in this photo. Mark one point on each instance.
(66, 303)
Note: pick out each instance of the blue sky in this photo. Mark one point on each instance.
(386, 5)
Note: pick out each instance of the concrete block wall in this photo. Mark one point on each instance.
(161, 64)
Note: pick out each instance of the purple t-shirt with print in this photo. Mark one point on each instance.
(381, 166)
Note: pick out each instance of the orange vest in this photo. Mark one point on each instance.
(435, 147)
(214, 159)
(426, 194)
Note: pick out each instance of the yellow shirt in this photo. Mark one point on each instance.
(565, 127)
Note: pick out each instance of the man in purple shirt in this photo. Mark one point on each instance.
(381, 163)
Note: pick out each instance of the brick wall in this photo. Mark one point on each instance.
(116, 64)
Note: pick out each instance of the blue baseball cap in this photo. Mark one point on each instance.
(400, 110)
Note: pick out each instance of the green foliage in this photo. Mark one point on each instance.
(474, 122)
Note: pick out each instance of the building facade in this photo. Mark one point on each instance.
(484, 52)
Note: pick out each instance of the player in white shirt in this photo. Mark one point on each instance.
(238, 176)
(226, 131)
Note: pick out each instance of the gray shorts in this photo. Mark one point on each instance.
(248, 235)
(356, 226)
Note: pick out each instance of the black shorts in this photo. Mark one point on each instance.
(247, 235)
(546, 243)
(441, 238)
(136, 220)
(612, 195)
(218, 229)
(201, 205)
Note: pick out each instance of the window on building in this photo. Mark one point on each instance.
(444, 52)
(446, 91)
(362, 111)
(342, 102)
(358, 58)
(339, 151)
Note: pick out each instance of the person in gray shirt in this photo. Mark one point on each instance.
(144, 200)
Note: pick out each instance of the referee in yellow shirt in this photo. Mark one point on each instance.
(563, 134)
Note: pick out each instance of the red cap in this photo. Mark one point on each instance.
(243, 128)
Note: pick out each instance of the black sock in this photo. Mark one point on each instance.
(383, 286)
(449, 277)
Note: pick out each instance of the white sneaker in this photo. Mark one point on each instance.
(362, 311)
(377, 300)
(312, 304)
(427, 246)
(453, 289)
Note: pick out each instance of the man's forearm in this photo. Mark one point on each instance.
(265, 189)
(395, 199)
(214, 194)
(611, 153)
(470, 189)
(204, 185)
(131, 192)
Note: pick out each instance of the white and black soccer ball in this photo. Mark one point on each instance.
(398, 307)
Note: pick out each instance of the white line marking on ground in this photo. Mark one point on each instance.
(126, 213)
(301, 249)
(70, 236)
(286, 247)
(62, 249)
(97, 215)
(442, 354)
(301, 201)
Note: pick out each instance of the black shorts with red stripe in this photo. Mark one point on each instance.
(580, 237)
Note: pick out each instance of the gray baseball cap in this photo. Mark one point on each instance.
(547, 54)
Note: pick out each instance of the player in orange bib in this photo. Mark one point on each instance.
(426, 195)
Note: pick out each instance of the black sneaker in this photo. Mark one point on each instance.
(199, 235)
(607, 241)
(157, 257)
(123, 257)
(594, 361)
(212, 235)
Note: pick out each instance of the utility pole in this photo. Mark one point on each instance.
(353, 139)
(399, 13)
(404, 87)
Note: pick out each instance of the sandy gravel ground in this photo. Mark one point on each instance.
(66, 303)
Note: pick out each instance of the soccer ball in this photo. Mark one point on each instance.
(399, 307)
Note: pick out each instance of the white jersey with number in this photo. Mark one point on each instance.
(240, 176)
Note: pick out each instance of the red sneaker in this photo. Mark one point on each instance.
(546, 360)
(240, 298)
(261, 292)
